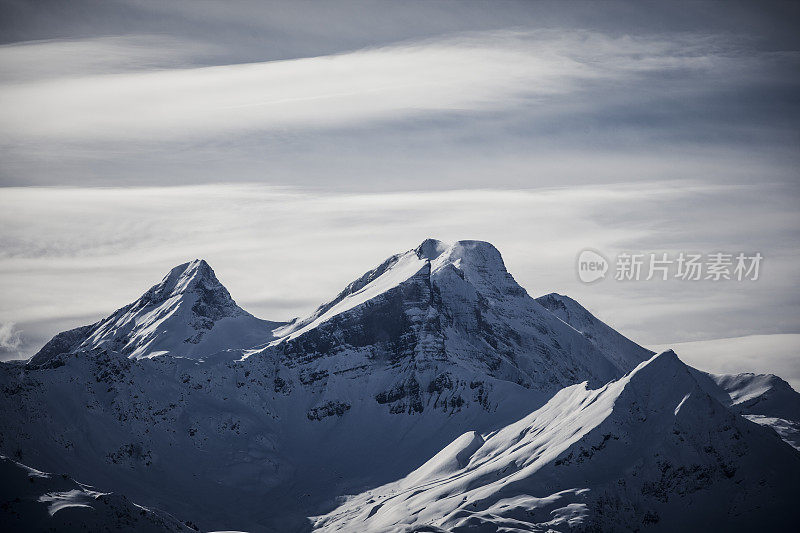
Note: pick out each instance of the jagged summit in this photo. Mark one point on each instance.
(440, 252)
(189, 313)
(662, 376)
(186, 276)
(477, 262)
(194, 278)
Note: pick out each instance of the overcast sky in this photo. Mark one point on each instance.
(295, 145)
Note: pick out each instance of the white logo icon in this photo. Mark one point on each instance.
(591, 266)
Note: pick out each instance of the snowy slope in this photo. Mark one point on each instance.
(189, 314)
(650, 451)
(31, 500)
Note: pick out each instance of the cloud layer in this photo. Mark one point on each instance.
(517, 107)
(82, 252)
(474, 72)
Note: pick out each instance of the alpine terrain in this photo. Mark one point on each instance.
(431, 394)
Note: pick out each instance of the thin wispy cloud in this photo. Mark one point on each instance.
(53, 59)
(527, 70)
(523, 107)
(462, 73)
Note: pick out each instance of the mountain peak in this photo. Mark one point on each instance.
(189, 313)
(430, 249)
(195, 278)
(446, 308)
(186, 276)
(480, 254)
(191, 267)
(664, 367)
(436, 250)
(664, 381)
(661, 362)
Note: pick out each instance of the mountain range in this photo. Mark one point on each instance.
(431, 394)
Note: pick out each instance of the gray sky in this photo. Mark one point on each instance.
(294, 145)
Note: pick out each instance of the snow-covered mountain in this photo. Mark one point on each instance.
(185, 402)
(650, 451)
(762, 398)
(190, 314)
(444, 318)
